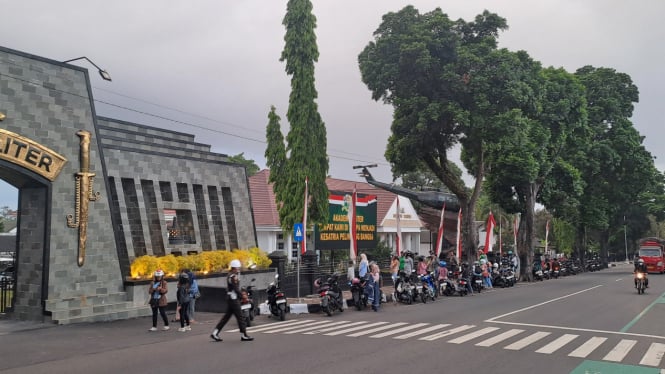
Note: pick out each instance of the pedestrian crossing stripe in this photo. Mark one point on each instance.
(653, 356)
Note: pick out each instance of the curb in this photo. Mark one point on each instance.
(307, 308)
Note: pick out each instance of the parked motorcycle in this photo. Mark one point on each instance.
(404, 291)
(429, 288)
(358, 292)
(421, 292)
(277, 303)
(330, 294)
(247, 307)
(462, 287)
(446, 287)
(477, 282)
(640, 284)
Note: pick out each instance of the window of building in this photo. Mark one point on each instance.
(294, 245)
(294, 254)
(280, 246)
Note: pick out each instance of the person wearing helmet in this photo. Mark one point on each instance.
(641, 267)
(184, 298)
(443, 271)
(466, 274)
(233, 301)
(157, 290)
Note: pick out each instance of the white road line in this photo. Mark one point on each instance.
(473, 335)
(654, 355)
(287, 328)
(620, 350)
(499, 338)
(588, 347)
(376, 329)
(659, 337)
(274, 325)
(422, 331)
(397, 331)
(543, 303)
(332, 328)
(309, 328)
(340, 332)
(442, 334)
(526, 341)
(557, 344)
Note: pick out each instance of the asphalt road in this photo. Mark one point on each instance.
(589, 323)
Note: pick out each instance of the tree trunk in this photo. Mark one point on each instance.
(469, 232)
(526, 233)
(604, 238)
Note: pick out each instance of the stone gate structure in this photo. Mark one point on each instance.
(94, 193)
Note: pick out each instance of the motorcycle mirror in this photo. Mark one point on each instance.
(253, 279)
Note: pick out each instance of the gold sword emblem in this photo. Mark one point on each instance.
(84, 194)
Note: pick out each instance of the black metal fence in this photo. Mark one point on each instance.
(6, 294)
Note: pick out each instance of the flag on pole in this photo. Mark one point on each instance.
(439, 237)
(547, 233)
(459, 235)
(516, 226)
(398, 237)
(352, 224)
(303, 247)
(500, 239)
(489, 236)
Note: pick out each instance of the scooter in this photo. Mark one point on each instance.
(430, 288)
(247, 307)
(330, 294)
(277, 303)
(404, 291)
(358, 292)
(462, 287)
(640, 284)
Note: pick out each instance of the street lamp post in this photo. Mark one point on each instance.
(104, 74)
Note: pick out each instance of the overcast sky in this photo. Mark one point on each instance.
(214, 65)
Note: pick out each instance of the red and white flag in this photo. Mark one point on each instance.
(489, 236)
(303, 247)
(547, 233)
(398, 237)
(500, 239)
(459, 235)
(352, 224)
(439, 238)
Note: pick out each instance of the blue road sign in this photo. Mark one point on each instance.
(298, 232)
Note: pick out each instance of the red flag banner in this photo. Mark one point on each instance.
(459, 235)
(303, 247)
(439, 238)
(398, 237)
(489, 236)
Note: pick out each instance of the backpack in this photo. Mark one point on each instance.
(401, 263)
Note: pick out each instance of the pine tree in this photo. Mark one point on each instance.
(275, 152)
(306, 140)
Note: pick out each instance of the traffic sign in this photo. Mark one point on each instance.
(298, 232)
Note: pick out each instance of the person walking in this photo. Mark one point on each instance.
(375, 279)
(194, 294)
(233, 301)
(157, 290)
(184, 298)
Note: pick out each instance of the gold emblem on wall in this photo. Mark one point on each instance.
(31, 155)
(84, 195)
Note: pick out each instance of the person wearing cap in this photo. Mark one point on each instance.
(157, 291)
(233, 305)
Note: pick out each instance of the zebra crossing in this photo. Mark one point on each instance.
(542, 342)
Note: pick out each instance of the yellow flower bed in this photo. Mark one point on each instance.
(203, 262)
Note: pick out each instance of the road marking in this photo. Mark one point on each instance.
(499, 338)
(620, 350)
(340, 332)
(543, 303)
(442, 334)
(578, 329)
(526, 341)
(376, 329)
(588, 347)
(654, 355)
(332, 328)
(422, 331)
(557, 344)
(275, 325)
(316, 327)
(397, 331)
(473, 335)
(287, 328)
(642, 313)
(618, 279)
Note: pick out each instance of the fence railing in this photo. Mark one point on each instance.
(6, 294)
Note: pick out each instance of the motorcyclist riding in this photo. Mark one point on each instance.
(641, 267)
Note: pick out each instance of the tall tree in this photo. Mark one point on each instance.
(449, 85)
(275, 152)
(250, 166)
(306, 141)
(525, 162)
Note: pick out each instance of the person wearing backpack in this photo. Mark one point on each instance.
(184, 299)
(157, 290)
(194, 294)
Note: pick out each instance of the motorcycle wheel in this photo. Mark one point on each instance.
(357, 302)
(326, 310)
(423, 297)
(409, 301)
(282, 315)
